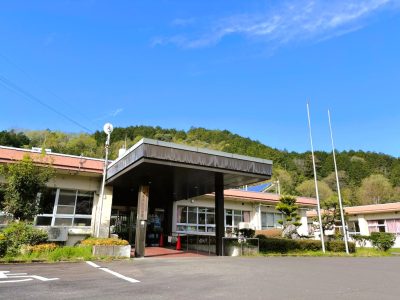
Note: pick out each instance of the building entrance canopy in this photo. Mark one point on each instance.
(179, 172)
(170, 172)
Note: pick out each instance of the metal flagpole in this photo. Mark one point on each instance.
(338, 187)
(321, 230)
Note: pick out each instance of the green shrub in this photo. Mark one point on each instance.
(272, 232)
(21, 233)
(277, 245)
(261, 236)
(104, 242)
(3, 245)
(282, 245)
(41, 247)
(339, 246)
(382, 240)
(247, 232)
(309, 245)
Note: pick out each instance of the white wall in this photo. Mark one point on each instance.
(363, 223)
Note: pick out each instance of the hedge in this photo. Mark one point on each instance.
(104, 242)
(285, 245)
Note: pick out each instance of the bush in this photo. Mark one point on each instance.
(277, 245)
(42, 247)
(247, 232)
(21, 233)
(309, 245)
(261, 236)
(382, 240)
(104, 242)
(3, 245)
(282, 245)
(339, 246)
(273, 232)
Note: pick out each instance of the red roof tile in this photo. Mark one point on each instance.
(366, 209)
(59, 161)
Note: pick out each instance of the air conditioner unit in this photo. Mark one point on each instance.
(57, 234)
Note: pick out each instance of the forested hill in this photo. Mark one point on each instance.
(366, 177)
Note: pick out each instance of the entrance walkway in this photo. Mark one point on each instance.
(161, 252)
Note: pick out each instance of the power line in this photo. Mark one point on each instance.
(18, 90)
(53, 94)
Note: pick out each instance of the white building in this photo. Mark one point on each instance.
(365, 219)
(72, 203)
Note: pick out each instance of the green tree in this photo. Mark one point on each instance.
(375, 189)
(395, 174)
(13, 139)
(24, 182)
(307, 189)
(330, 180)
(286, 181)
(287, 206)
(82, 144)
(331, 215)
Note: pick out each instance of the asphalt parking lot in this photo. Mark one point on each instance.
(206, 278)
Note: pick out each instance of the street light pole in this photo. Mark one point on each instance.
(108, 128)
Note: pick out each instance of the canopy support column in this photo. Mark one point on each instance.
(141, 220)
(219, 213)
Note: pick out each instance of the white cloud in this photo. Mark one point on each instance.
(182, 22)
(288, 21)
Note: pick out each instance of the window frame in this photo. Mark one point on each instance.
(207, 226)
(276, 216)
(54, 215)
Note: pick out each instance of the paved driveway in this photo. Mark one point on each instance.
(207, 278)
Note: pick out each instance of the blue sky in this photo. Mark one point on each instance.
(245, 66)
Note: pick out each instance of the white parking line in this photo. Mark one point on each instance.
(129, 279)
(92, 264)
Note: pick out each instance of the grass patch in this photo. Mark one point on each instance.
(67, 253)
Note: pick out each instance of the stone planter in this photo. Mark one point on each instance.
(114, 251)
(232, 250)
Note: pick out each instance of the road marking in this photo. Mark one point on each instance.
(8, 275)
(92, 264)
(129, 279)
(19, 280)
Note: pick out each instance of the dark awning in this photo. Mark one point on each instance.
(183, 171)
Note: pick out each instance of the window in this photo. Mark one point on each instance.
(195, 219)
(66, 208)
(234, 217)
(202, 219)
(390, 225)
(377, 226)
(271, 220)
(353, 227)
(393, 226)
